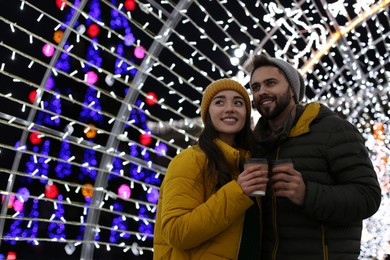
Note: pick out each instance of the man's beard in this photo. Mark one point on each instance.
(280, 105)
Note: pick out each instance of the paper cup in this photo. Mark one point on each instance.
(264, 166)
(281, 162)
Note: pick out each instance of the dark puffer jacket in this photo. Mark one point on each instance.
(341, 189)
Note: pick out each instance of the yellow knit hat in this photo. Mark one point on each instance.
(221, 85)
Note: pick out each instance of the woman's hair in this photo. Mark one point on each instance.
(217, 164)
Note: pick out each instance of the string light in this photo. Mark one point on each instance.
(162, 115)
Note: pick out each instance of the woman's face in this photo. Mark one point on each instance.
(228, 114)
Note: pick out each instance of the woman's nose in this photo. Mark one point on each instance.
(229, 106)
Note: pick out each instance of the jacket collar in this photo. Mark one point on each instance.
(232, 155)
(303, 124)
(296, 124)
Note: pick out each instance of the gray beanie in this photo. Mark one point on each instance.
(294, 77)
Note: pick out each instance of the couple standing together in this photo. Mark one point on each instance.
(313, 210)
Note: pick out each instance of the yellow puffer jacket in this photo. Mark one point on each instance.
(193, 221)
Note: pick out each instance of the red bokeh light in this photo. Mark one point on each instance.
(51, 191)
(35, 138)
(130, 5)
(32, 96)
(151, 98)
(60, 3)
(93, 30)
(11, 255)
(145, 139)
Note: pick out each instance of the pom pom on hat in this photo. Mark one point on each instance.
(221, 85)
(293, 76)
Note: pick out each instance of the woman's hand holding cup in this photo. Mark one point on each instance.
(253, 180)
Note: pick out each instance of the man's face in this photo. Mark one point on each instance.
(271, 92)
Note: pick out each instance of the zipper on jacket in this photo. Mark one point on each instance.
(274, 218)
(324, 244)
(275, 228)
(258, 200)
(239, 241)
(243, 218)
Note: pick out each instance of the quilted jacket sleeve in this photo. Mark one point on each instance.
(355, 193)
(188, 217)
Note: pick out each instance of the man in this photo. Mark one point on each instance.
(313, 210)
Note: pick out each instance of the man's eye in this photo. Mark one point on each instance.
(271, 83)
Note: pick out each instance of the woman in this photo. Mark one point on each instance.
(204, 198)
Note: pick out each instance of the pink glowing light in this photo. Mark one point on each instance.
(18, 206)
(48, 50)
(91, 77)
(10, 201)
(124, 191)
(139, 52)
